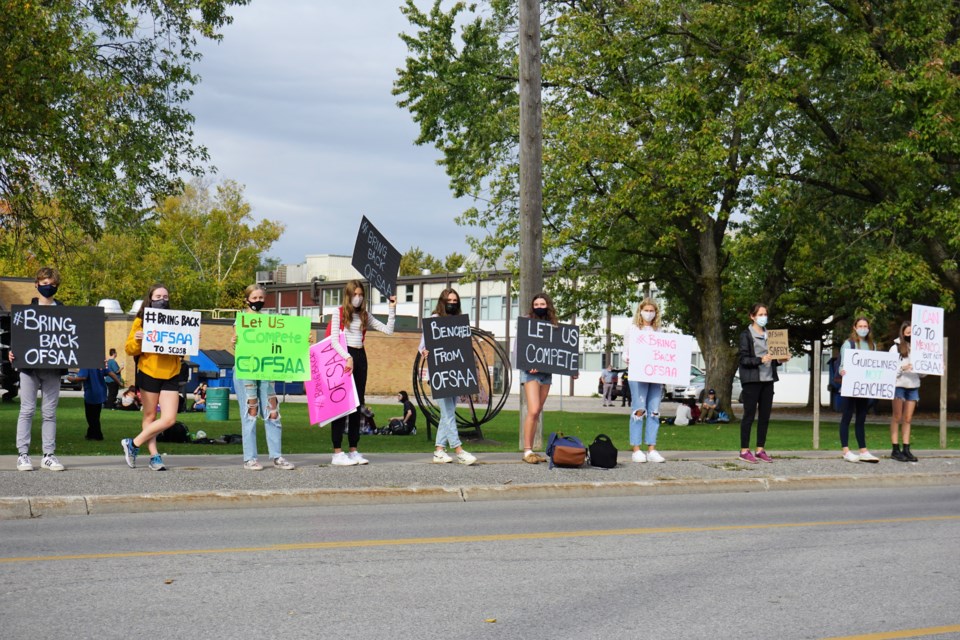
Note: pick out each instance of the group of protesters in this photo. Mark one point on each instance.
(158, 384)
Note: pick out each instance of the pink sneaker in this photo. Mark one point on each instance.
(762, 455)
(748, 457)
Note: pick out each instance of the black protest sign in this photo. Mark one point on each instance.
(57, 337)
(453, 369)
(376, 259)
(548, 348)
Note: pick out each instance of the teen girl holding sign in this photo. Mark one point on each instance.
(353, 321)
(258, 398)
(905, 398)
(447, 435)
(860, 338)
(645, 396)
(758, 373)
(158, 377)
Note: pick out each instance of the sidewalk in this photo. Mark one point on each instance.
(94, 485)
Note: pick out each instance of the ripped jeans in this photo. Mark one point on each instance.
(645, 398)
(257, 398)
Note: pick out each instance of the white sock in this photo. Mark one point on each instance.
(528, 451)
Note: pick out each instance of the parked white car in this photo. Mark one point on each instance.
(679, 392)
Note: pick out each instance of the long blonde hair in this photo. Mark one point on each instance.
(638, 319)
(348, 308)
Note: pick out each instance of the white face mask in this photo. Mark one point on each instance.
(761, 321)
(648, 316)
(863, 333)
(357, 301)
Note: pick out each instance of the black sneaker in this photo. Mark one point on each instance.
(908, 457)
(897, 455)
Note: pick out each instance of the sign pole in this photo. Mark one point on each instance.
(816, 394)
(943, 397)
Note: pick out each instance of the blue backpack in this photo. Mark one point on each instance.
(565, 451)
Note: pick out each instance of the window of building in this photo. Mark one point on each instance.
(332, 297)
(591, 361)
(409, 294)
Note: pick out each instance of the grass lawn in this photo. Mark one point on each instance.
(500, 434)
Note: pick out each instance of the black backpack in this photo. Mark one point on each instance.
(603, 453)
(176, 433)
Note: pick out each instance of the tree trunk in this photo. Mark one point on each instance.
(719, 356)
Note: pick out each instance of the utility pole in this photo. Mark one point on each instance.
(531, 170)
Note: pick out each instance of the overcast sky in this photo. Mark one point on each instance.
(295, 103)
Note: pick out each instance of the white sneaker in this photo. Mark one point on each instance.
(440, 457)
(654, 456)
(638, 456)
(24, 463)
(342, 460)
(355, 455)
(252, 465)
(850, 456)
(50, 462)
(866, 456)
(283, 463)
(466, 458)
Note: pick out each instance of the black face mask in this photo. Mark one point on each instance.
(47, 290)
(256, 306)
(540, 312)
(907, 338)
(452, 309)
(160, 304)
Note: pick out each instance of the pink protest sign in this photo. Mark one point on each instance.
(331, 393)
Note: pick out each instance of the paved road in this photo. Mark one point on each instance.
(810, 564)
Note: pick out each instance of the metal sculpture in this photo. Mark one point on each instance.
(493, 374)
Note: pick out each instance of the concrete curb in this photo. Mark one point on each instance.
(51, 506)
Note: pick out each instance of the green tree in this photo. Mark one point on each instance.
(93, 104)
(213, 244)
(729, 152)
(415, 260)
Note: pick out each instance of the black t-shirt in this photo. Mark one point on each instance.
(408, 407)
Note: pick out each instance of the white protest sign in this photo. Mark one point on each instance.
(659, 357)
(171, 332)
(926, 341)
(869, 374)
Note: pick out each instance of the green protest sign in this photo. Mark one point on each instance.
(272, 347)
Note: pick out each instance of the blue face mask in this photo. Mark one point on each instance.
(761, 321)
(863, 333)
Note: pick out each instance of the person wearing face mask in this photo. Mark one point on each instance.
(535, 383)
(447, 435)
(860, 338)
(158, 378)
(645, 396)
(47, 382)
(353, 321)
(758, 372)
(258, 398)
(905, 397)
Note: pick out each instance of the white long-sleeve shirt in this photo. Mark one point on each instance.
(354, 333)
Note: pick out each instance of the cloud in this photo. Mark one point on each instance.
(296, 104)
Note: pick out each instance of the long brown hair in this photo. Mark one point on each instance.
(856, 339)
(638, 319)
(148, 299)
(349, 309)
(551, 310)
(441, 309)
(904, 346)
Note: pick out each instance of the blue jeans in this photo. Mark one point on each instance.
(644, 396)
(258, 399)
(447, 429)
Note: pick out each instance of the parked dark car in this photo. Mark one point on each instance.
(66, 383)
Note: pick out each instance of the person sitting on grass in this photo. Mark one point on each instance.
(708, 410)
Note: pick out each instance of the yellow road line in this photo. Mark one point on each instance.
(494, 537)
(905, 633)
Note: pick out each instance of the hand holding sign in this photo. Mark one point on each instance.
(448, 342)
(376, 259)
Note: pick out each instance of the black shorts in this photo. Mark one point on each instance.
(156, 385)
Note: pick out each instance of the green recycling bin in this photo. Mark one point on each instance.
(218, 403)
